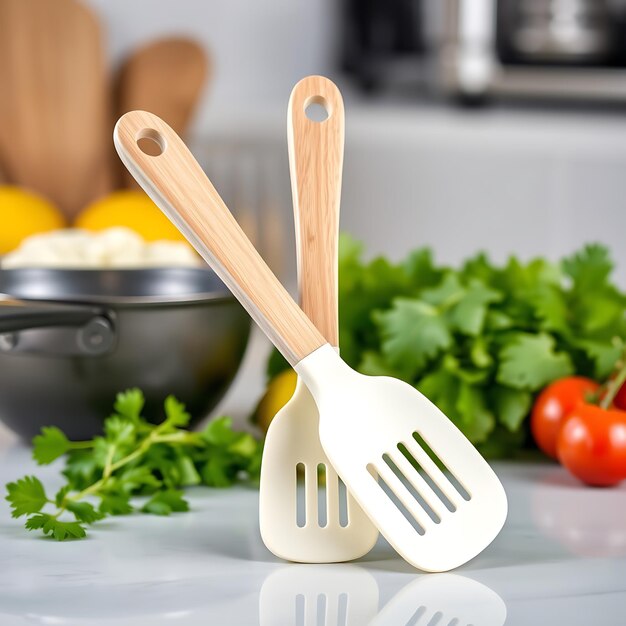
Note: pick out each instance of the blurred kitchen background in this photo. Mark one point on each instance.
(496, 125)
(469, 123)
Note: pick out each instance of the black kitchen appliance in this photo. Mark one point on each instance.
(574, 49)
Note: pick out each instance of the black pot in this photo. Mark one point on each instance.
(71, 339)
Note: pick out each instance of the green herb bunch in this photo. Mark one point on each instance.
(132, 458)
(482, 339)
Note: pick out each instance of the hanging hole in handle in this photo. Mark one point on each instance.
(317, 109)
(151, 142)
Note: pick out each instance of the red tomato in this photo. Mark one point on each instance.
(592, 445)
(553, 404)
(620, 398)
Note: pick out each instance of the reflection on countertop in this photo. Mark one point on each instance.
(348, 594)
(318, 594)
(586, 522)
(561, 559)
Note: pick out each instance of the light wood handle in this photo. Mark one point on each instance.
(176, 182)
(316, 164)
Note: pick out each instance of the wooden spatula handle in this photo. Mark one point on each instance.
(176, 182)
(316, 163)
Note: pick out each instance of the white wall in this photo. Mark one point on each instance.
(524, 182)
(530, 182)
(260, 48)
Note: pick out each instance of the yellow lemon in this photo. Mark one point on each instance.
(24, 213)
(133, 209)
(278, 392)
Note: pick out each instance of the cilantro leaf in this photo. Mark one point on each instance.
(350, 250)
(115, 504)
(175, 413)
(374, 364)
(84, 512)
(119, 430)
(166, 502)
(603, 355)
(442, 388)
(50, 445)
(478, 267)
(448, 292)
(596, 313)
(468, 315)
(383, 281)
(412, 333)
(102, 451)
(466, 373)
(479, 353)
(81, 469)
(463, 403)
(498, 320)
(363, 288)
(252, 470)
(26, 495)
(589, 267)
(476, 419)
(130, 403)
(59, 497)
(511, 406)
(229, 455)
(218, 471)
(136, 479)
(219, 431)
(160, 460)
(421, 270)
(517, 279)
(49, 525)
(187, 471)
(244, 445)
(503, 443)
(531, 361)
(550, 307)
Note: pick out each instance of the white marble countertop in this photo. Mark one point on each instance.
(561, 559)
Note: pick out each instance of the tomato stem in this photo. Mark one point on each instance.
(614, 384)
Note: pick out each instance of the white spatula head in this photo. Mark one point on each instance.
(377, 432)
(316, 521)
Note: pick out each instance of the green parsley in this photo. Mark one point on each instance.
(133, 458)
(482, 339)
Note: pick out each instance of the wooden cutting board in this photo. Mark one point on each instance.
(55, 121)
(165, 77)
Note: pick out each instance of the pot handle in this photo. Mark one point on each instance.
(94, 334)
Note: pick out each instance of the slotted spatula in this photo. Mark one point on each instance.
(323, 535)
(375, 431)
